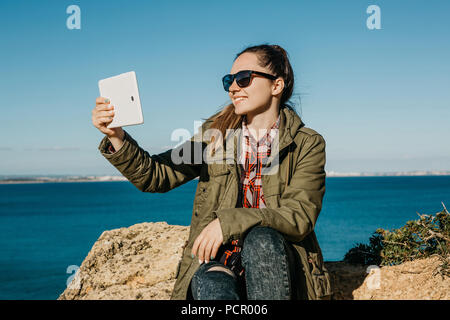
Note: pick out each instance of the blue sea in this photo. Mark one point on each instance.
(47, 227)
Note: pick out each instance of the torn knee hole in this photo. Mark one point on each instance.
(221, 269)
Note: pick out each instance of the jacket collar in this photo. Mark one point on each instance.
(290, 123)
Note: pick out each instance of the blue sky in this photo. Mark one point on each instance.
(380, 98)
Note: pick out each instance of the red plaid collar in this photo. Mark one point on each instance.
(267, 138)
(250, 146)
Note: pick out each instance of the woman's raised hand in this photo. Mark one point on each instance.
(102, 116)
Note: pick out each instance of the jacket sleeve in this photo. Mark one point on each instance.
(154, 173)
(300, 203)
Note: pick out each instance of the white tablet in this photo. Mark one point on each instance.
(123, 93)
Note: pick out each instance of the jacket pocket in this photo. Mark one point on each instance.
(272, 195)
(218, 169)
(320, 277)
(218, 173)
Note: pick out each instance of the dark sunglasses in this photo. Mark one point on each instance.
(243, 78)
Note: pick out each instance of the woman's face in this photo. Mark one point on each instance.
(257, 96)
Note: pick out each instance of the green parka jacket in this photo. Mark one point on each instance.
(293, 196)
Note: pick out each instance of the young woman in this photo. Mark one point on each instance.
(252, 230)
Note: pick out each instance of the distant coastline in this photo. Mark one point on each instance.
(63, 178)
(16, 179)
(388, 174)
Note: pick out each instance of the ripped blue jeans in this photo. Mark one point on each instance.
(269, 267)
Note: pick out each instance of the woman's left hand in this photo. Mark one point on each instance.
(208, 242)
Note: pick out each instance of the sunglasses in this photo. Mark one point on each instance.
(243, 78)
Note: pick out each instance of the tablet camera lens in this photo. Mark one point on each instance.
(132, 98)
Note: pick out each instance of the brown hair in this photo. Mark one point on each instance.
(276, 59)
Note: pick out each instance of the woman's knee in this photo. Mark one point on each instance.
(263, 239)
(202, 271)
(214, 281)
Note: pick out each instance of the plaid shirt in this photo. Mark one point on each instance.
(251, 194)
(253, 152)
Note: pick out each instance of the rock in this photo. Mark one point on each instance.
(413, 280)
(140, 262)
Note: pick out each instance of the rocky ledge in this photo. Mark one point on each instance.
(139, 262)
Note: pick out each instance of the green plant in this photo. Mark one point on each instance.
(429, 235)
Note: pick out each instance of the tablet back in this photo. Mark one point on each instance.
(123, 93)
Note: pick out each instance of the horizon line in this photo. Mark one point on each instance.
(118, 177)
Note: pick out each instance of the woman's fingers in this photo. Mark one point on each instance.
(102, 116)
(103, 107)
(102, 123)
(208, 250)
(215, 249)
(211, 249)
(196, 245)
(201, 250)
(101, 100)
(105, 113)
(105, 120)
